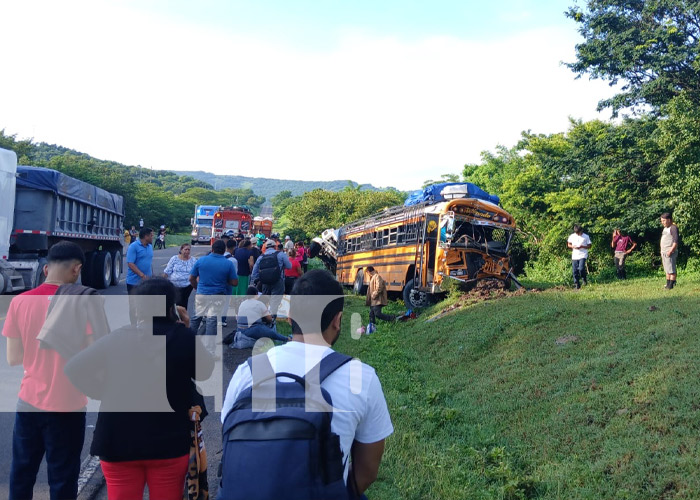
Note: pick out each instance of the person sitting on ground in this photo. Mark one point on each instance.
(254, 321)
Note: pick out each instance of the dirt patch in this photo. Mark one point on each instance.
(486, 290)
(565, 340)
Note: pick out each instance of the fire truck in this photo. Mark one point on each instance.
(231, 220)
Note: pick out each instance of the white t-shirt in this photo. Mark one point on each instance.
(577, 241)
(230, 257)
(360, 414)
(252, 310)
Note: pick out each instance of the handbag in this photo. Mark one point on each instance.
(197, 484)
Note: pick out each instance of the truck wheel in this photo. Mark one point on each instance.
(39, 277)
(359, 287)
(413, 298)
(102, 270)
(116, 267)
(86, 273)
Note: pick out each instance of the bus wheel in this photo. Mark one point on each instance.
(414, 299)
(359, 287)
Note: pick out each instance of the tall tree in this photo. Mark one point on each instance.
(650, 47)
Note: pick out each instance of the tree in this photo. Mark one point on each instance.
(443, 178)
(21, 148)
(679, 174)
(651, 47)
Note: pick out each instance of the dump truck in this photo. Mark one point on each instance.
(42, 207)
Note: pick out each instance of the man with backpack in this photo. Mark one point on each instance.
(344, 412)
(269, 270)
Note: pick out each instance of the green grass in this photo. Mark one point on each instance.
(175, 240)
(486, 405)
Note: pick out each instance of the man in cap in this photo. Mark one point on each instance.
(269, 270)
(288, 244)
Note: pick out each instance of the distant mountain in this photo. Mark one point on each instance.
(270, 187)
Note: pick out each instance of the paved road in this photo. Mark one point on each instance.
(92, 484)
(266, 209)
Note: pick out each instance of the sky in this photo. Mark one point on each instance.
(385, 92)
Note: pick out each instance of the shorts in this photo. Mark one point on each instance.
(669, 262)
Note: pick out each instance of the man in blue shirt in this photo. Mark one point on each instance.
(139, 262)
(211, 277)
(276, 289)
(139, 259)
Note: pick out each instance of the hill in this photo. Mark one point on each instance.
(270, 187)
(551, 395)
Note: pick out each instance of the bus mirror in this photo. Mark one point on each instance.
(191, 221)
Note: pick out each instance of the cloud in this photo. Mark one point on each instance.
(127, 86)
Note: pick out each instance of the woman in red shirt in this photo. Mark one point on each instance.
(290, 275)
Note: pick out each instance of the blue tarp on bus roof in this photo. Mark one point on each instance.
(433, 193)
(46, 179)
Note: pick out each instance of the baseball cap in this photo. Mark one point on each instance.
(287, 237)
(271, 242)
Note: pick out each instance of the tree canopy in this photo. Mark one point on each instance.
(650, 47)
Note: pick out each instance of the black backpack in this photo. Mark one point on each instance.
(284, 451)
(269, 269)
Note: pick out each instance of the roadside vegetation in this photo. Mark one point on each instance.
(552, 394)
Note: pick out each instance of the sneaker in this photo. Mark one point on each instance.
(223, 323)
(371, 328)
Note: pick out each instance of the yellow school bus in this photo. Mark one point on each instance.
(417, 249)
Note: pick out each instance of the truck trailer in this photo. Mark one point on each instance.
(42, 207)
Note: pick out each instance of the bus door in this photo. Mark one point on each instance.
(430, 247)
(426, 247)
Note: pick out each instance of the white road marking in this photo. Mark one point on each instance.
(87, 470)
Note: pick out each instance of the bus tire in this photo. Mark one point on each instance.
(116, 267)
(359, 287)
(415, 300)
(102, 270)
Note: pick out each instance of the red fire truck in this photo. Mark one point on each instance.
(231, 220)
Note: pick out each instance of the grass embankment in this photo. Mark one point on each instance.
(487, 404)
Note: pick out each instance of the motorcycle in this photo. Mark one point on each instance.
(160, 242)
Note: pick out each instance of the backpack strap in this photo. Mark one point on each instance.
(328, 365)
(331, 363)
(263, 368)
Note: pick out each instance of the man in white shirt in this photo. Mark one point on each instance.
(579, 243)
(288, 243)
(360, 417)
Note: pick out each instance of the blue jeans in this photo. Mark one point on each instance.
(275, 291)
(260, 330)
(209, 308)
(58, 435)
(578, 267)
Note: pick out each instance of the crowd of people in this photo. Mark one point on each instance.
(144, 373)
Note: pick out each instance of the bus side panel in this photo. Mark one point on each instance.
(391, 263)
